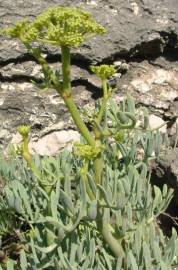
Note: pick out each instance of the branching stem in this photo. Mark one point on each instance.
(68, 99)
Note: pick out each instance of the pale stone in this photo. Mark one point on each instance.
(36, 70)
(155, 122)
(53, 143)
(4, 86)
(1, 101)
(141, 86)
(3, 133)
(16, 139)
(171, 95)
(162, 20)
(135, 8)
(117, 63)
(162, 76)
(93, 3)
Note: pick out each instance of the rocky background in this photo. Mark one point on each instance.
(142, 41)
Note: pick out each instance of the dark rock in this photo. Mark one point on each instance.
(167, 172)
(144, 28)
(174, 108)
(30, 70)
(21, 104)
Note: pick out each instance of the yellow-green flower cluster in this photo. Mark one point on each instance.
(59, 26)
(20, 30)
(119, 136)
(87, 151)
(103, 71)
(24, 130)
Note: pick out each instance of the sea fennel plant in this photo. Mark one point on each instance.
(94, 207)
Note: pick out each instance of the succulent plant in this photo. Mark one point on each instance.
(92, 208)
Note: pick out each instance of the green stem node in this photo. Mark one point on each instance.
(68, 99)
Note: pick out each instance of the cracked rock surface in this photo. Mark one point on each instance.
(151, 85)
(142, 41)
(140, 27)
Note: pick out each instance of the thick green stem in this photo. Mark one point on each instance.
(104, 102)
(98, 162)
(66, 69)
(68, 99)
(78, 120)
(28, 157)
(104, 228)
(98, 166)
(102, 222)
(112, 242)
(84, 172)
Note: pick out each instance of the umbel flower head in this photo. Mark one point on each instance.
(18, 31)
(87, 151)
(103, 71)
(58, 26)
(24, 130)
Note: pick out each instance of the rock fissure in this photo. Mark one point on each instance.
(142, 41)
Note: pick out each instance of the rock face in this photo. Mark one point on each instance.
(142, 41)
(152, 85)
(140, 27)
(167, 171)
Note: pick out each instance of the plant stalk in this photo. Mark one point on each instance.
(104, 228)
(68, 99)
(104, 102)
(28, 157)
(98, 163)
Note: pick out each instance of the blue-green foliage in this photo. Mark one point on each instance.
(61, 231)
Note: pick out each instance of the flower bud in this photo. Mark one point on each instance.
(103, 71)
(24, 130)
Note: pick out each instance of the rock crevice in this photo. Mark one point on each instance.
(142, 41)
